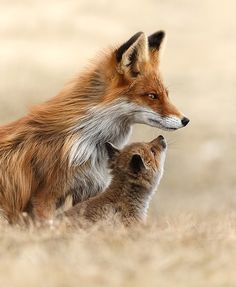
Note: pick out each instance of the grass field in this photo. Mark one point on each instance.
(183, 250)
(190, 238)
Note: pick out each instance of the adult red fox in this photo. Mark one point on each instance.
(58, 148)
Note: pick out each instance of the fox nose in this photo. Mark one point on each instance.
(185, 121)
(162, 141)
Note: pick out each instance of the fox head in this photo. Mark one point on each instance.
(136, 78)
(138, 162)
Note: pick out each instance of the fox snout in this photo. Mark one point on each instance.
(170, 123)
(160, 142)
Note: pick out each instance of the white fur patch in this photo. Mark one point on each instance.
(101, 124)
(172, 122)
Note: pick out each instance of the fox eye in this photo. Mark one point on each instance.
(153, 151)
(152, 96)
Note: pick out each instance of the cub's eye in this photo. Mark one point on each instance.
(153, 151)
(152, 96)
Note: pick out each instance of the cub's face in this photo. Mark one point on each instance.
(139, 161)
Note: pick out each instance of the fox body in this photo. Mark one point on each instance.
(58, 148)
(136, 172)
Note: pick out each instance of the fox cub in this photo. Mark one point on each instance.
(136, 173)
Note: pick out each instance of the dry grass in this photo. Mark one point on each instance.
(190, 239)
(186, 250)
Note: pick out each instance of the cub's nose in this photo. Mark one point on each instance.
(162, 141)
(185, 121)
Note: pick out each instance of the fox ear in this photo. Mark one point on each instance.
(131, 55)
(155, 40)
(155, 43)
(111, 150)
(136, 163)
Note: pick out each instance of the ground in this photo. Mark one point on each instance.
(190, 236)
(185, 250)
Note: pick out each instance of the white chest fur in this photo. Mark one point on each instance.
(101, 124)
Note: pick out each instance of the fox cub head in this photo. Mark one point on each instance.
(134, 78)
(138, 163)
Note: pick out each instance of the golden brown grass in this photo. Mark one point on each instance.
(184, 250)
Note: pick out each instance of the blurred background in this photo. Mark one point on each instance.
(45, 43)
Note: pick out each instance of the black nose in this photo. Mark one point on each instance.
(185, 121)
(160, 137)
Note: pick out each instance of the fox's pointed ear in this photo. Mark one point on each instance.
(155, 40)
(111, 150)
(155, 43)
(131, 55)
(136, 163)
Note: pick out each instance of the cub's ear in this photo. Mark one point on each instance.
(111, 150)
(136, 163)
(131, 56)
(155, 43)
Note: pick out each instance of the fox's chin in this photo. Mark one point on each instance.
(157, 124)
(168, 129)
